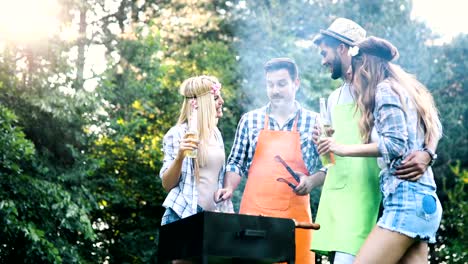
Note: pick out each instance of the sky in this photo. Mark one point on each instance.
(445, 17)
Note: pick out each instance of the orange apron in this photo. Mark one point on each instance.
(264, 195)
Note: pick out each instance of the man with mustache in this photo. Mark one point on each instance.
(350, 199)
(282, 127)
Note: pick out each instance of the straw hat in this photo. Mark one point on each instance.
(345, 30)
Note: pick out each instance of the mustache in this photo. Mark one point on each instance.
(276, 96)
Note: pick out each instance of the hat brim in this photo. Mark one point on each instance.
(335, 35)
(317, 39)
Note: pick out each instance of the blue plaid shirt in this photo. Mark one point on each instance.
(399, 133)
(183, 198)
(249, 128)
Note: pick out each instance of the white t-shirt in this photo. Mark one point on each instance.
(342, 95)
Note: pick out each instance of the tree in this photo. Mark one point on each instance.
(42, 221)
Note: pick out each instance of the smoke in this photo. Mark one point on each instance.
(268, 29)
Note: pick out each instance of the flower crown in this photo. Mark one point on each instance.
(353, 51)
(215, 87)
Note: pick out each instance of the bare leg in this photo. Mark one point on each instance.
(384, 247)
(416, 254)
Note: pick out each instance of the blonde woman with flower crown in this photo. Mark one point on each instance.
(398, 117)
(191, 182)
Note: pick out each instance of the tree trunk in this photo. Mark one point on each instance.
(80, 61)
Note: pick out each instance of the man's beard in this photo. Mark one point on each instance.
(336, 68)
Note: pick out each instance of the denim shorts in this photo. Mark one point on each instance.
(171, 216)
(413, 210)
(343, 258)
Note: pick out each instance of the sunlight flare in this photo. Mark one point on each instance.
(28, 20)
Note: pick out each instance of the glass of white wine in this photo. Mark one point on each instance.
(192, 132)
(191, 153)
(328, 159)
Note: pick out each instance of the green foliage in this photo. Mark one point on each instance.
(20, 150)
(44, 111)
(126, 153)
(41, 220)
(449, 91)
(454, 231)
(450, 94)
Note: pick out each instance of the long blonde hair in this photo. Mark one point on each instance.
(199, 88)
(372, 66)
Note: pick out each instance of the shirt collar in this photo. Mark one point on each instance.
(296, 104)
(291, 116)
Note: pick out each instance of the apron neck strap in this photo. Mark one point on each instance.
(267, 120)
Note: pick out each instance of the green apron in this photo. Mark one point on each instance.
(350, 197)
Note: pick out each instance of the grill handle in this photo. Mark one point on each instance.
(251, 234)
(305, 225)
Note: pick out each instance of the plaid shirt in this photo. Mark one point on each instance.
(249, 128)
(399, 133)
(183, 198)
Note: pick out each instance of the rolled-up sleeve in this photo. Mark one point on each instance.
(237, 157)
(170, 149)
(390, 123)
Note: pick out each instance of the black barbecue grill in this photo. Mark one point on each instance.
(210, 237)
